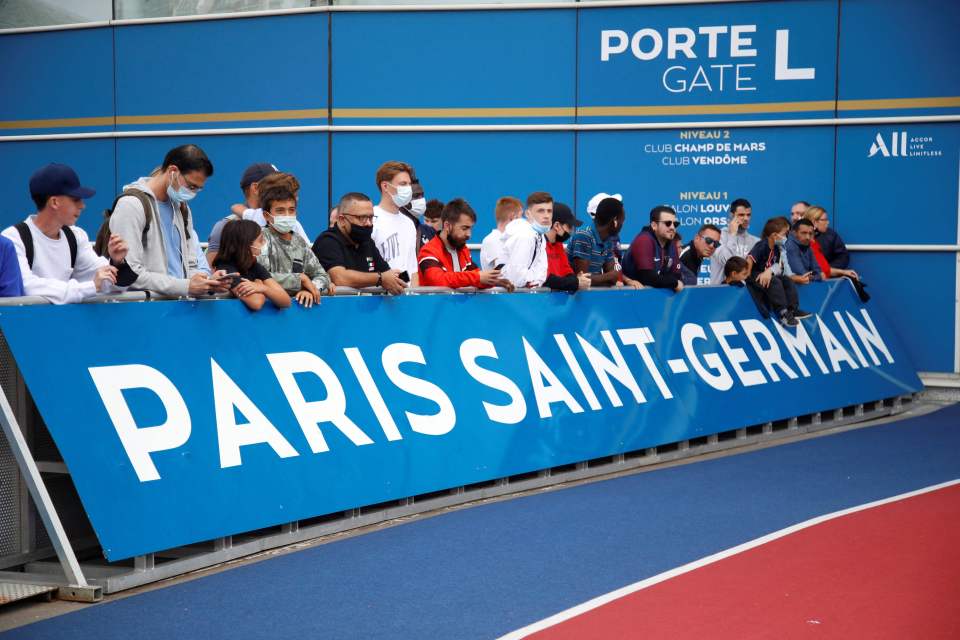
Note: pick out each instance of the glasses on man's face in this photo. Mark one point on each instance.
(189, 185)
(363, 221)
(669, 223)
(710, 242)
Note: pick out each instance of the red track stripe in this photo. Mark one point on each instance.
(892, 571)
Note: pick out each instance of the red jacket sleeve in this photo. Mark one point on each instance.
(432, 275)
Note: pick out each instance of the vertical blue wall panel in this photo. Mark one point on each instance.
(889, 198)
(222, 66)
(916, 293)
(899, 49)
(456, 59)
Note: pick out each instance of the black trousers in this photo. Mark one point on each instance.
(780, 295)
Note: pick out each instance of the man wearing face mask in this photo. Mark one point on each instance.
(395, 234)
(560, 275)
(163, 246)
(524, 248)
(347, 252)
(445, 261)
(416, 208)
(285, 255)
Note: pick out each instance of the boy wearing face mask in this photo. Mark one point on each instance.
(395, 234)
(560, 275)
(285, 254)
(165, 255)
(524, 247)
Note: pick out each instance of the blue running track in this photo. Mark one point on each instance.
(484, 571)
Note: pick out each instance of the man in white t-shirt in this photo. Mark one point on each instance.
(491, 251)
(394, 233)
(56, 259)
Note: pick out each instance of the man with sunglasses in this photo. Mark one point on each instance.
(695, 256)
(153, 217)
(654, 255)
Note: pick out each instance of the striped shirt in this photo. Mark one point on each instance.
(587, 245)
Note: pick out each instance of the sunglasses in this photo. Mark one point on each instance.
(710, 242)
(669, 223)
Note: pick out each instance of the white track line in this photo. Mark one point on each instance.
(696, 564)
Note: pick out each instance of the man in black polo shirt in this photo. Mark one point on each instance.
(349, 255)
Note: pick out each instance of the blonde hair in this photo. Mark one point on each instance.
(813, 212)
(505, 206)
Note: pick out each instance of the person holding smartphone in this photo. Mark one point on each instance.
(735, 240)
(240, 245)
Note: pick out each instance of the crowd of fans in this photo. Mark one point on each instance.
(261, 252)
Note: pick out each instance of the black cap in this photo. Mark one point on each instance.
(563, 215)
(58, 180)
(256, 173)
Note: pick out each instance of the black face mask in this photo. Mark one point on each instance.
(360, 234)
(563, 237)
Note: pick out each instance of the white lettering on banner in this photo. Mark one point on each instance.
(870, 337)
(512, 413)
(722, 369)
(432, 425)
(835, 350)
(310, 415)
(577, 371)
(372, 393)
(140, 442)
(551, 392)
(230, 435)
(736, 356)
(770, 355)
(604, 367)
(640, 338)
(647, 44)
(721, 380)
(800, 344)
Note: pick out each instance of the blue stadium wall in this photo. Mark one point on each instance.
(327, 94)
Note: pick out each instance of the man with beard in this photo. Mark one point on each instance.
(445, 261)
(654, 255)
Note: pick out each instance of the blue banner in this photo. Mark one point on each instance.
(186, 421)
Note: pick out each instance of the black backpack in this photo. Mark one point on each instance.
(103, 234)
(27, 239)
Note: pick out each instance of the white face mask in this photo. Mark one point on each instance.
(284, 224)
(418, 206)
(403, 195)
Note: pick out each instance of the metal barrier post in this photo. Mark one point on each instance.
(77, 589)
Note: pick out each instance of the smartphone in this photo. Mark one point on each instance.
(500, 266)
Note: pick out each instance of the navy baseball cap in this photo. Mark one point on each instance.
(256, 172)
(58, 180)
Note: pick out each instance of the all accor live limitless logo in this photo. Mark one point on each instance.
(902, 146)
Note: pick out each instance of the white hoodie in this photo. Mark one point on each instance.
(524, 254)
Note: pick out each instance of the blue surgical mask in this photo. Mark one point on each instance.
(403, 195)
(779, 241)
(418, 206)
(183, 194)
(540, 228)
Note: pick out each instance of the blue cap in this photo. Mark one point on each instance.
(58, 180)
